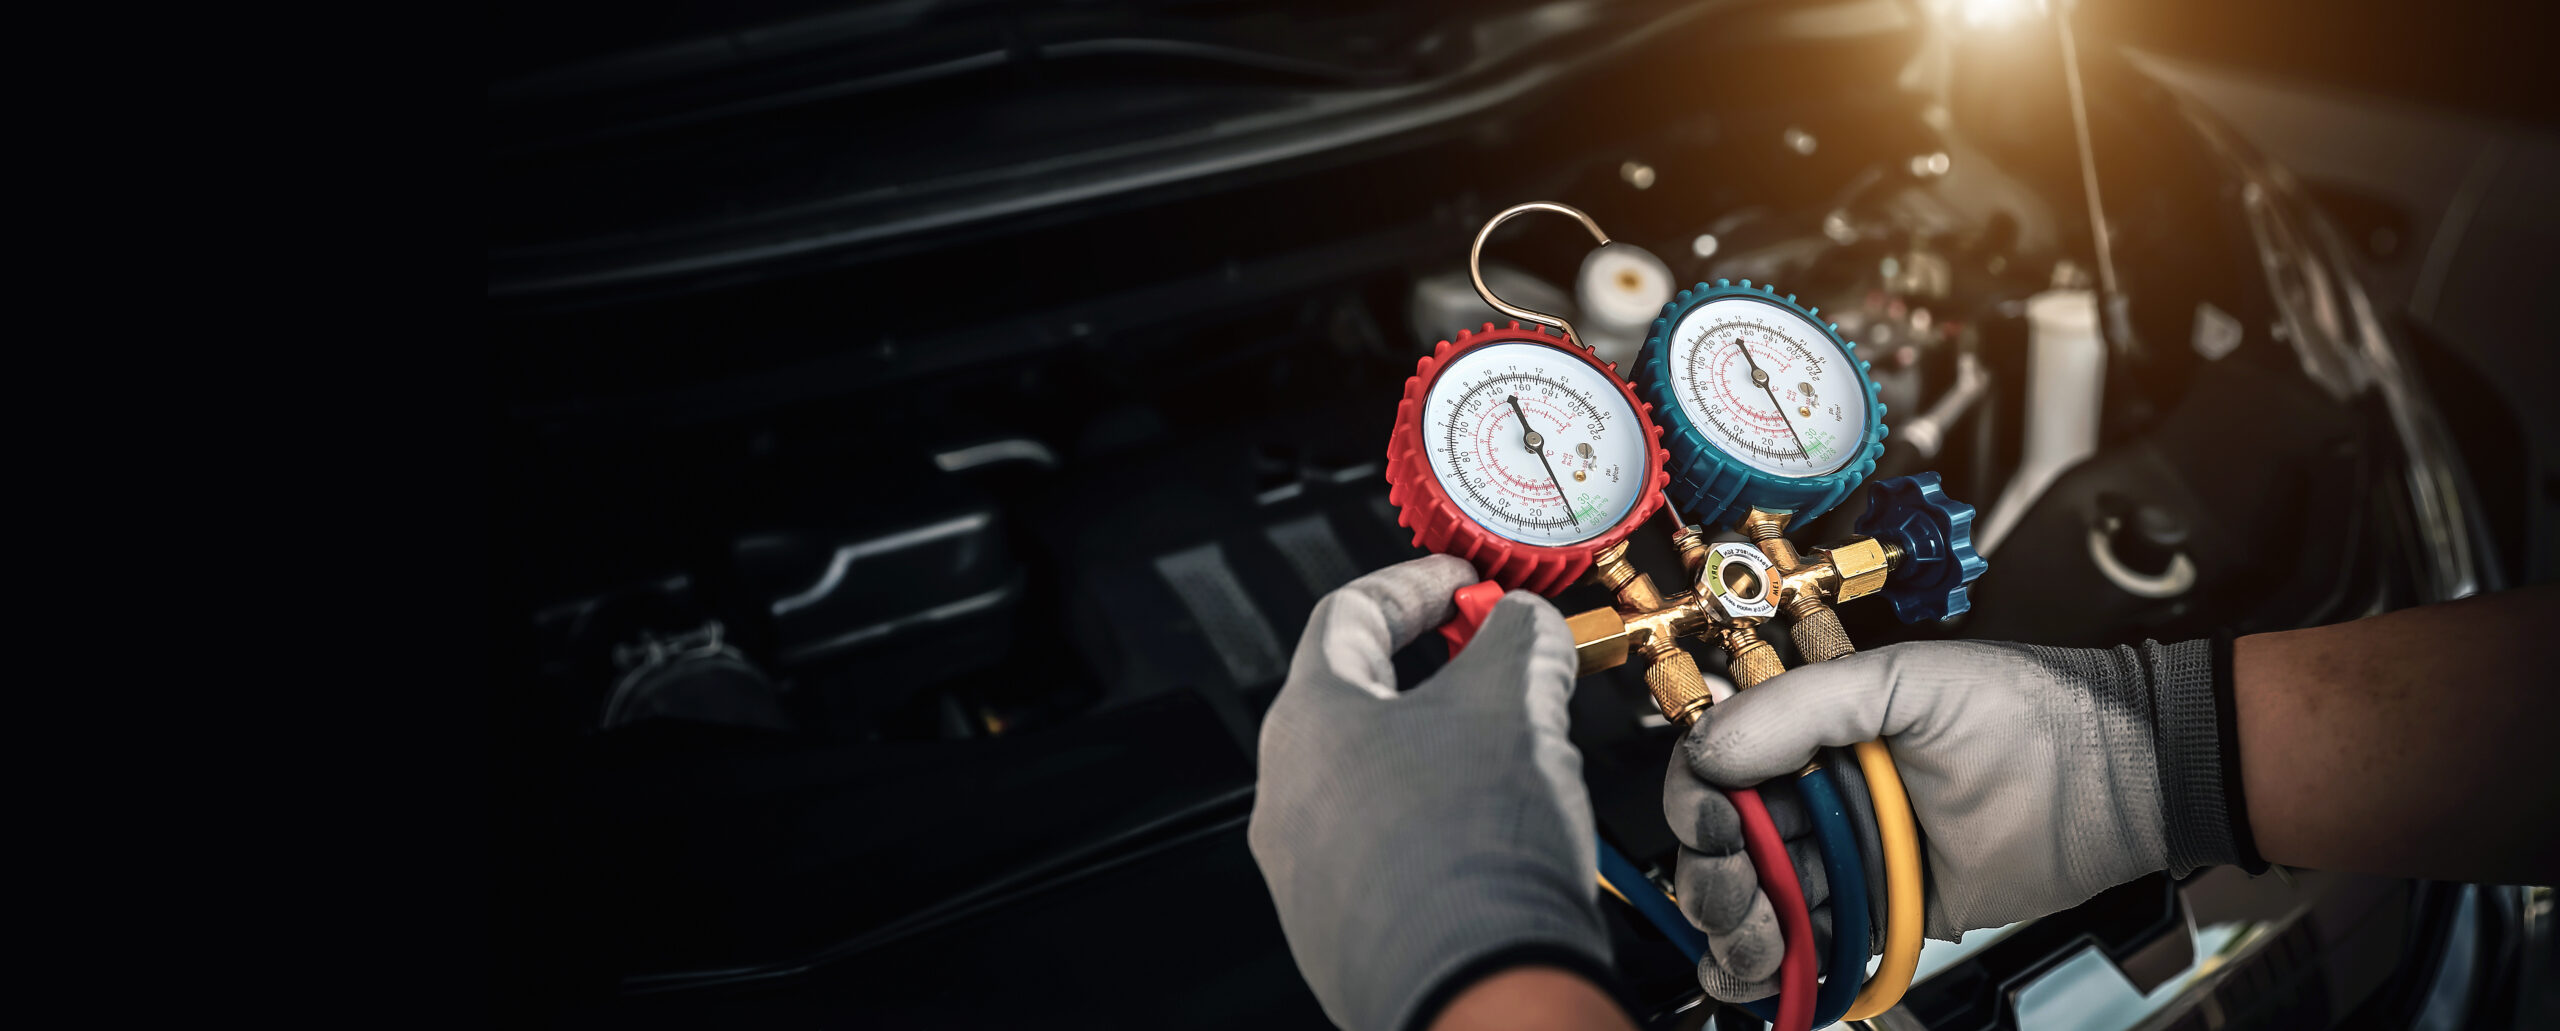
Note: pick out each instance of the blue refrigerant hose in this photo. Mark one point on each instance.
(1657, 908)
(1839, 846)
(1847, 963)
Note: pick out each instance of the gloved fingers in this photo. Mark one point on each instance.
(1717, 892)
(1700, 815)
(1356, 631)
(1774, 728)
(1703, 817)
(1726, 982)
(1721, 983)
(1744, 959)
(1714, 892)
(1523, 643)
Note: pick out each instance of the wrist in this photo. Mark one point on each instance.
(2203, 808)
(2226, 672)
(1525, 986)
(1436, 953)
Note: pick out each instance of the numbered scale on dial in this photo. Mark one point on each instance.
(1763, 405)
(1768, 386)
(1534, 443)
(1523, 454)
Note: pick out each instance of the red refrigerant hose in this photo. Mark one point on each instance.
(1786, 895)
(1796, 970)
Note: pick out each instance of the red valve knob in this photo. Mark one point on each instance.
(1475, 603)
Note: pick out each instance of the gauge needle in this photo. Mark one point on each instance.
(1762, 378)
(1537, 445)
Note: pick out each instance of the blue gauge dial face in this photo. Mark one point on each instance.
(1768, 387)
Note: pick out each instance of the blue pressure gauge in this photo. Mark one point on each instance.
(1762, 404)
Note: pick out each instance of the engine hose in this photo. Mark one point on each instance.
(1903, 918)
(1847, 964)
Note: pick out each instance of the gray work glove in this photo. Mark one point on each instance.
(1719, 889)
(1415, 842)
(2039, 776)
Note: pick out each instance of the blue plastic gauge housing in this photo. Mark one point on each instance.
(1715, 488)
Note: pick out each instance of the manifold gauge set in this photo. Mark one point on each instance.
(1518, 449)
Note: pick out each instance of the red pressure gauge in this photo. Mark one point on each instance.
(1520, 451)
(1522, 454)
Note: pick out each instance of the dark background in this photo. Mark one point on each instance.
(643, 438)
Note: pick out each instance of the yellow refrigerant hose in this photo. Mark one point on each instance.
(1900, 835)
(1821, 639)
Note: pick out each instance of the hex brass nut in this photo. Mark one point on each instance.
(1862, 567)
(1600, 640)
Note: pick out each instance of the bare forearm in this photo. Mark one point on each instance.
(1532, 999)
(2415, 743)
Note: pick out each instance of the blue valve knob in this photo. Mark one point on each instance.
(1935, 533)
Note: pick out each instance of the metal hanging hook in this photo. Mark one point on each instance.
(1475, 263)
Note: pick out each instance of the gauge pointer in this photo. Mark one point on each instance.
(1537, 445)
(1762, 378)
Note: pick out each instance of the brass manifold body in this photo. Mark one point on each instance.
(1732, 592)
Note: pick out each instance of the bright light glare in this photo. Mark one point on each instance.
(1998, 14)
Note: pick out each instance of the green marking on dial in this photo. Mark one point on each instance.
(1819, 444)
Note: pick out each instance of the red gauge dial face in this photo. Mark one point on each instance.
(1534, 444)
(1522, 454)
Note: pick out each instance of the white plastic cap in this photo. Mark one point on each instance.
(1623, 286)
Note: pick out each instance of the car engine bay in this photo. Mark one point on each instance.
(913, 525)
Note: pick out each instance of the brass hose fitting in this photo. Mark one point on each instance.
(1807, 589)
(1647, 623)
(1752, 659)
(1692, 546)
(1679, 690)
(1736, 587)
(1845, 573)
(1769, 531)
(1804, 586)
(1860, 567)
(1635, 590)
(1601, 640)
(1819, 636)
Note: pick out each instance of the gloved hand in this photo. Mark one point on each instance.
(1719, 890)
(2039, 776)
(1415, 842)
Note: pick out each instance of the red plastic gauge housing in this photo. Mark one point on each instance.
(1424, 506)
